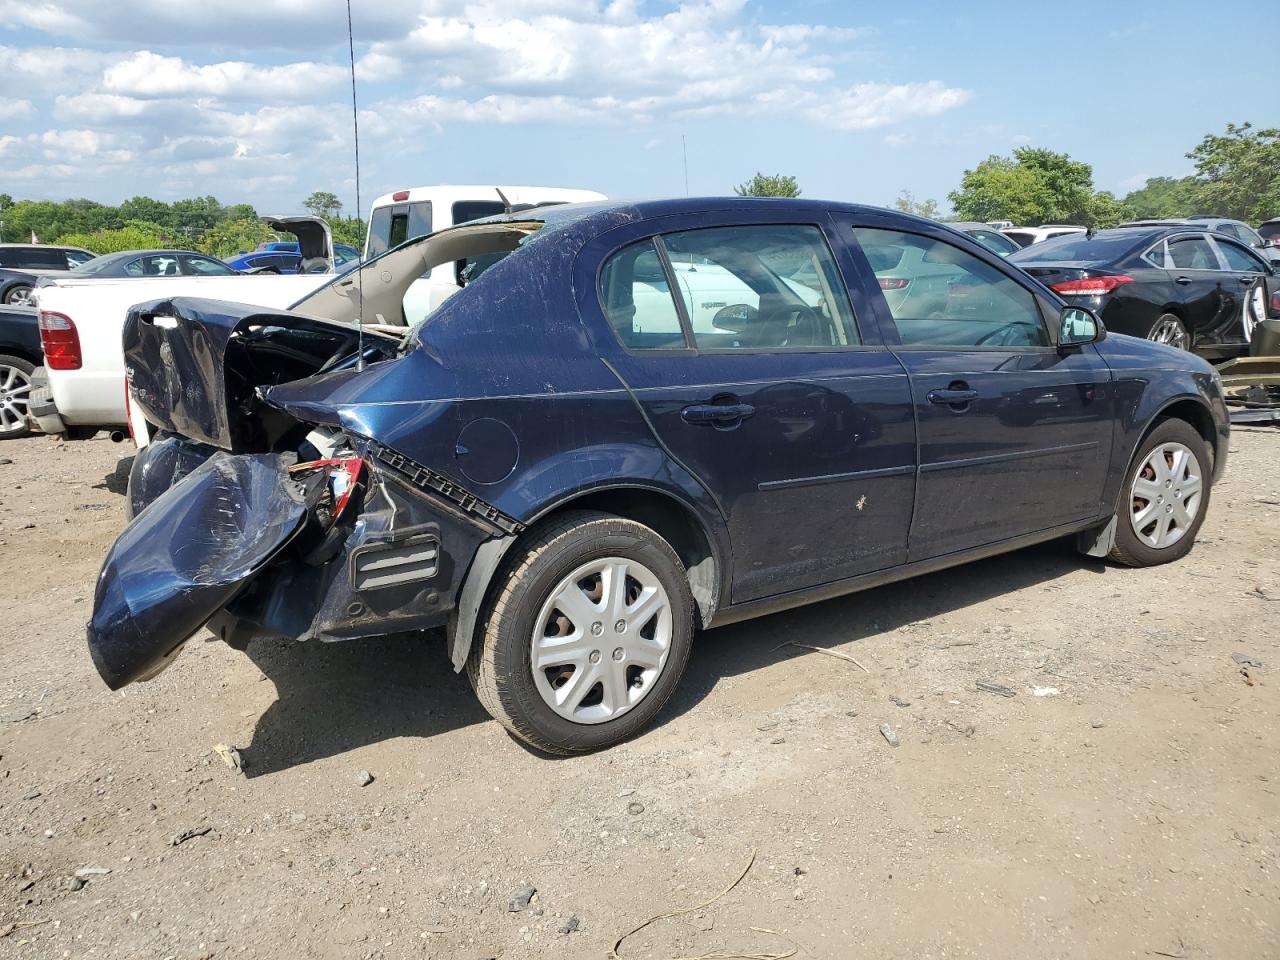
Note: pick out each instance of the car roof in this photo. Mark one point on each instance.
(970, 225)
(41, 246)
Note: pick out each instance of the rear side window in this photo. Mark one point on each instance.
(1229, 229)
(761, 287)
(1192, 253)
(34, 258)
(942, 296)
(637, 299)
(76, 257)
(393, 224)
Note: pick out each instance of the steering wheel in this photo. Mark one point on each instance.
(1010, 335)
(794, 324)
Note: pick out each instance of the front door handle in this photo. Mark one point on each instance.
(716, 412)
(1183, 280)
(952, 396)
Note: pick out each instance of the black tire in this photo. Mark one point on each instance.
(15, 396)
(500, 663)
(1131, 550)
(1179, 337)
(19, 292)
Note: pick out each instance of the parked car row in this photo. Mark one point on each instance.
(23, 264)
(632, 421)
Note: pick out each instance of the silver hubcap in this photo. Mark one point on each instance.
(601, 640)
(20, 297)
(15, 389)
(1166, 495)
(1170, 332)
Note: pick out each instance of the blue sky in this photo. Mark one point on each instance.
(248, 100)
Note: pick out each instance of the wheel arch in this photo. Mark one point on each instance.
(22, 353)
(1193, 411)
(703, 554)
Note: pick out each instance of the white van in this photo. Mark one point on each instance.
(400, 216)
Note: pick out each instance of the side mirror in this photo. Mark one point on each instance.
(1078, 326)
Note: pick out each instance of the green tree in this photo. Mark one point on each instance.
(1163, 198)
(922, 208)
(1238, 173)
(348, 230)
(1034, 186)
(769, 185)
(234, 236)
(134, 235)
(323, 204)
(195, 215)
(144, 208)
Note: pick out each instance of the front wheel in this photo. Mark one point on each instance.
(586, 635)
(1165, 497)
(15, 396)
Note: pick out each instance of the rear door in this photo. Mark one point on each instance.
(1208, 302)
(783, 403)
(1014, 436)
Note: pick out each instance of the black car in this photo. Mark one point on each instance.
(633, 421)
(155, 263)
(20, 354)
(22, 264)
(1191, 288)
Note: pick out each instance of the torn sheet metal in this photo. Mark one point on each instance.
(188, 555)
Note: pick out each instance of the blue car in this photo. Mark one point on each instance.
(283, 256)
(633, 421)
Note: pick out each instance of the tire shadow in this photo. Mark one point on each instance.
(335, 697)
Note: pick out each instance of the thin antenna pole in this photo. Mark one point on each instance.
(684, 151)
(355, 130)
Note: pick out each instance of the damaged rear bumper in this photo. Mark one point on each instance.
(240, 546)
(187, 556)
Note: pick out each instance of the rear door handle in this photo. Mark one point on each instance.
(1183, 280)
(716, 412)
(952, 396)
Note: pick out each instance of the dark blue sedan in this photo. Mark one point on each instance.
(633, 421)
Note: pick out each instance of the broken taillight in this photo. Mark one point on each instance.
(342, 473)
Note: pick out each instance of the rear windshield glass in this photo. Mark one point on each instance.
(464, 211)
(1078, 247)
(1269, 230)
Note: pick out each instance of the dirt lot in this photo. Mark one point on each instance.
(1124, 803)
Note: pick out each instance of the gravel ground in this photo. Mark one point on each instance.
(1123, 803)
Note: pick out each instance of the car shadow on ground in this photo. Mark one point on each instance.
(117, 481)
(336, 697)
(843, 622)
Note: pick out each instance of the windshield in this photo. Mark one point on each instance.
(1078, 247)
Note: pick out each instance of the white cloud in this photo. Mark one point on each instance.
(12, 109)
(146, 74)
(868, 105)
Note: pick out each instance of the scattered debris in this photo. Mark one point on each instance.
(518, 902)
(186, 835)
(1262, 593)
(86, 872)
(1245, 660)
(635, 808)
(569, 926)
(830, 653)
(1248, 677)
(8, 928)
(999, 688)
(617, 944)
(1045, 691)
(363, 778)
(967, 729)
(230, 756)
(899, 702)
(1096, 724)
(31, 795)
(71, 884)
(886, 731)
(17, 716)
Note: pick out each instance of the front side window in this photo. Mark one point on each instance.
(637, 299)
(206, 267)
(941, 296)
(761, 287)
(76, 258)
(1192, 253)
(1228, 229)
(1238, 258)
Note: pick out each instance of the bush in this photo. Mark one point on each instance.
(134, 235)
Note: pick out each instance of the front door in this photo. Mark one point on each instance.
(756, 377)
(1014, 436)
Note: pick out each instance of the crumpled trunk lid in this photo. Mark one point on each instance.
(187, 556)
(195, 366)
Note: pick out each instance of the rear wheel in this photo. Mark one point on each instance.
(19, 295)
(587, 634)
(1169, 329)
(15, 396)
(1166, 496)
